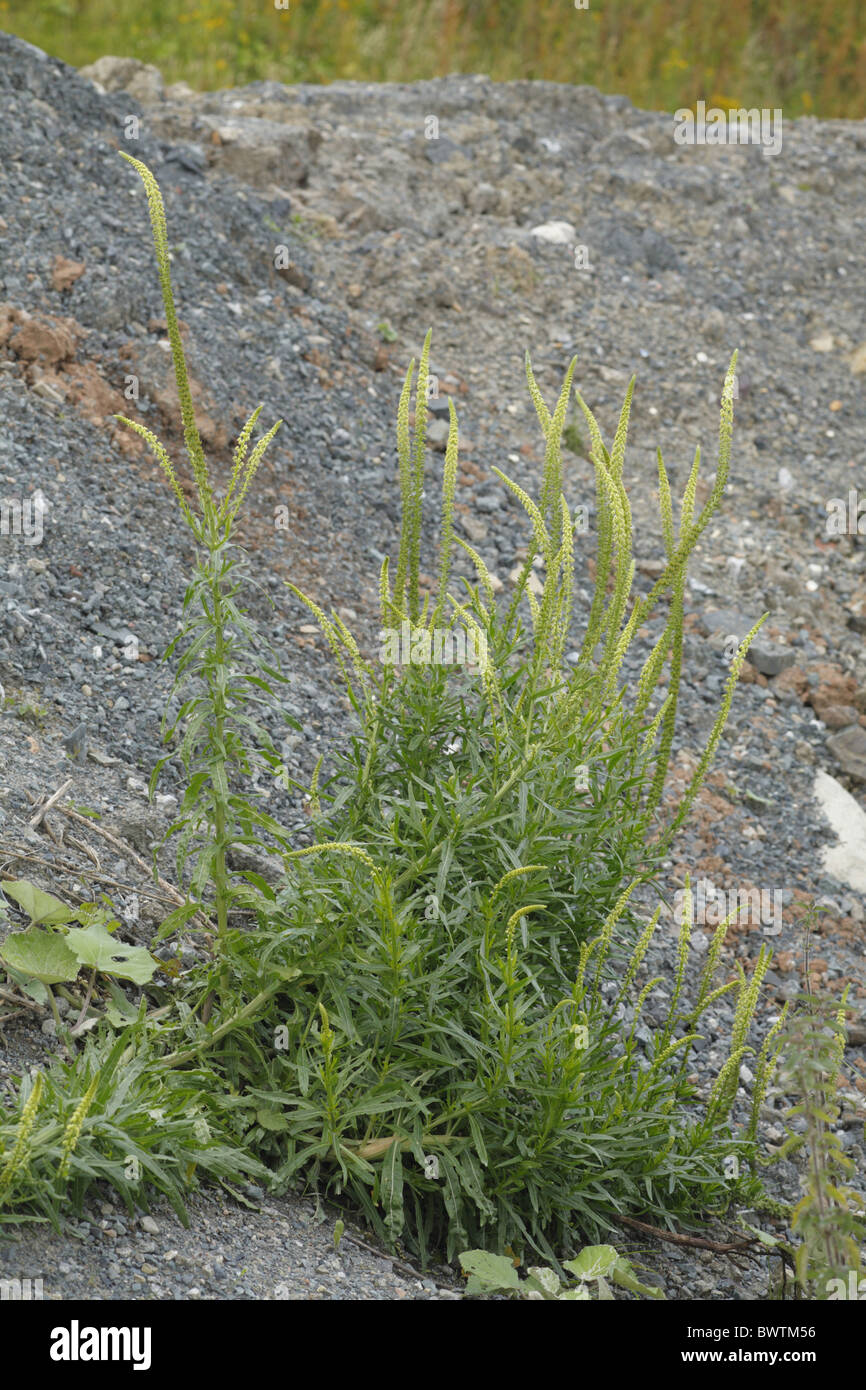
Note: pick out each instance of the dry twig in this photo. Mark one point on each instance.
(719, 1247)
(52, 801)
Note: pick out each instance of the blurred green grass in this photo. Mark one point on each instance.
(805, 56)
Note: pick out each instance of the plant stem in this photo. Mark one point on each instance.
(217, 689)
(177, 1059)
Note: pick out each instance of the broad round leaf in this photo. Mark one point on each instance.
(41, 954)
(39, 906)
(490, 1273)
(95, 947)
(593, 1262)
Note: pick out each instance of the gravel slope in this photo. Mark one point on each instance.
(683, 255)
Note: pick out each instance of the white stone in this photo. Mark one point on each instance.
(845, 861)
(534, 584)
(823, 342)
(556, 233)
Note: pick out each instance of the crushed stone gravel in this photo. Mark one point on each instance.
(315, 233)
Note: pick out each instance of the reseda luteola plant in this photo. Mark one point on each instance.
(808, 1051)
(437, 965)
(829, 1218)
(220, 663)
(437, 807)
(549, 698)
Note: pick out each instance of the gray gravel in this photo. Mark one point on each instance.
(692, 252)
(272, 1249)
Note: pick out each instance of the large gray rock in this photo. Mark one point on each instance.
(142, 80)
(729, 622)
(849, 748)
(261, 152)
(769, 657)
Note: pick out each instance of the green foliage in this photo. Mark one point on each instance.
(829, 1216)
(437, 1016)
(449, 1055)
(39, 906)
(54, 952)
(111, 1116)
(595, 1265)
(221, 668)
(456, 1086)
(663, 56)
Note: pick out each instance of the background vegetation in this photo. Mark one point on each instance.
(803, 56)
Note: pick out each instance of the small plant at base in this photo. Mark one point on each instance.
(826, 1218)
(28, 710)
(52, 952)
(113, 1115)
(829, 1218)
(592, 1268)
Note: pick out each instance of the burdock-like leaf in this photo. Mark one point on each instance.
(593, 1262)
(489, 1273)
(41, 954)
(623, 1274)
(39, 906)
(93, 946)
